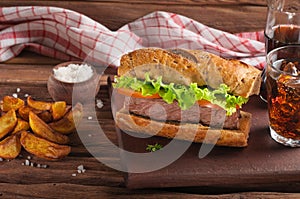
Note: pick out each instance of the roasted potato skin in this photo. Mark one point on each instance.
(22, 125)
(39, 105)
(26, 123)
(68, 123)
(9, 102)
(43, 148)
(8, 123)
(58, 109)
(10, 147)
(40, 128)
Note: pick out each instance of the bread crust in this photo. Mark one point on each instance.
(158, 62)
(243, 80)
(192, 66)
(186, 131)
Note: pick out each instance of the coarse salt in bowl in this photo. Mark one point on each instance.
(73, 82)
(73, 73)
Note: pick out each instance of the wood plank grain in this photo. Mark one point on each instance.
(100, 181)
(63, 190)
(31, 58)
(249, 15)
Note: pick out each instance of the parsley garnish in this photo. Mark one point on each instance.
(154, 147)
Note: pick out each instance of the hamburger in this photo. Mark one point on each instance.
(196, 92)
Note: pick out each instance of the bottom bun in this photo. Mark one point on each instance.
(186, 131)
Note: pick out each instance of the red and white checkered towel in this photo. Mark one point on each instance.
(68, 35)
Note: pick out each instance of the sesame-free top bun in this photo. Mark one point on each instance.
(158, 62)
(181, 66)
(243, 80)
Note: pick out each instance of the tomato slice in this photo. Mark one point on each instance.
(207, 104)
(132, 93)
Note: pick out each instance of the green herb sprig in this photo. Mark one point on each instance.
(155, 147)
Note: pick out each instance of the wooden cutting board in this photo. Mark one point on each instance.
(262, 165)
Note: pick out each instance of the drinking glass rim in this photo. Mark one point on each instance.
(282, 8)
(278, 49)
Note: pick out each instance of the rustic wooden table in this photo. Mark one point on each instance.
(30, 72)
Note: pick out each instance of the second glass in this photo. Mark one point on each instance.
(283, 93)
(282, 28)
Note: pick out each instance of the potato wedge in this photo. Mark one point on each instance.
(46, 116)
(43, 148)
(58, 109)
(21, 125)
(10, 102)
(39, 105)
(8, 122)
(40, 128)
(10, 147)
(24, 112)
(68, 123)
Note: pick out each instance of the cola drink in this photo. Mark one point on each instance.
(283, 86)
(282, 35)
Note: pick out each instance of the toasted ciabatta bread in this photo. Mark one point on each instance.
(187, 131)
(243, 80)
(159, 62)
(182, 66)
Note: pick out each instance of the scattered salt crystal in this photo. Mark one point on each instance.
(1, 159)
(90, 135)
(22, 163)
(32, 164)
(73, 174)
(15, 95)
(44, 166)
(80, 167)
(26, 95)
(18, 90)
(27, 162)
(29, 157)
(90, 118)
(73, 73)
(99, 103)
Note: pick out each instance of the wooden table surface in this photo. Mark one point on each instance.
(30, 72)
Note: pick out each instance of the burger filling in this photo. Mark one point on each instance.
(174, 103)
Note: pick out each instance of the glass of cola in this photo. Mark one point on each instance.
(283, 94)
(282, 28)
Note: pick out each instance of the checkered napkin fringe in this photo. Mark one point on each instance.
(68, 35)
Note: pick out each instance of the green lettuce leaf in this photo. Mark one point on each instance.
(186, 96)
